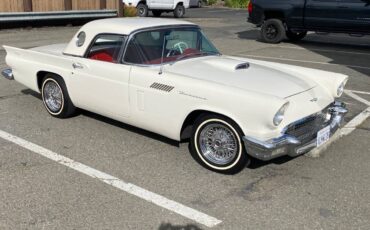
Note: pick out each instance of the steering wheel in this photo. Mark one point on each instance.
(181, 46)
(177, 49)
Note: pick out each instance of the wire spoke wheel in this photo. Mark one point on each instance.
(53, 96)
(218, 144)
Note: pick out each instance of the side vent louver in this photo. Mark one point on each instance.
(242, 66)
(166, 88)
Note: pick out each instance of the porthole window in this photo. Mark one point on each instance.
(81, 37)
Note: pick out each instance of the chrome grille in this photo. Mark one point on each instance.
(306, 129)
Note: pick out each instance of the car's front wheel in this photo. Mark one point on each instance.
(272, 31)
(216, 143)
(55, 97)
(179, 11)
(142, 10)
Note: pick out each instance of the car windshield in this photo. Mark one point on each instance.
(168, 45)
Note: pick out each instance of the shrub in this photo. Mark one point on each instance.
(129, 11)
(236, 3)
(211, 2)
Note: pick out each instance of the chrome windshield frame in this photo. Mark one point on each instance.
(132, 34)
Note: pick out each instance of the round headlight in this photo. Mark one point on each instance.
(340, 89)
(279, 116)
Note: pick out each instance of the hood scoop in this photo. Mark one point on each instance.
(240, 66)
(228, 64)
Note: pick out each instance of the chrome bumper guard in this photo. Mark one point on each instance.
(291, 145)
(8, 74)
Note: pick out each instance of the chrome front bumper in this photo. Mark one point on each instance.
(291, 145)
(8, 74)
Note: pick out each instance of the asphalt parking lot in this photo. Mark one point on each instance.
(328, 192)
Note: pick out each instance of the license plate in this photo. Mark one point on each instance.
(323, 136)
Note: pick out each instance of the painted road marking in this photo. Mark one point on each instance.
(323, 50)
(302, 61)
(360, 92)
(220, 11)
(132, 189)
(356, 97)
(348, 128)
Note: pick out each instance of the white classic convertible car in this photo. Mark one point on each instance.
(165, 76)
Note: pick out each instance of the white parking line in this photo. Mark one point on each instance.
(302, 61)
(360, 92)
(356, 121)
(323, 50)
(132, 189)
(358, 98)
(219, 11)
(348, 128)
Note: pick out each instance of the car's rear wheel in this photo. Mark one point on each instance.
(216, 143)
(295, 35)
(55, 97)
(179, 11)
(142, 10)
(157, 13)
(272, 31)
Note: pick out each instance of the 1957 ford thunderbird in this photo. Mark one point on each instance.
(165, 76)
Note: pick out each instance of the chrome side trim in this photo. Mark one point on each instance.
(8, 74)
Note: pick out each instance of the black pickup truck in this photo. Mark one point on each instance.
(294, 18)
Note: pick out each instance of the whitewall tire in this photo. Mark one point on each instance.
(216, 143)
(55, 97)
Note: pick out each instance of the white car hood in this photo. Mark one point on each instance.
(255, 77)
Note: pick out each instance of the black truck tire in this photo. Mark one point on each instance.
(295, 35)
(179, 11)
(142, 10)
(272, 31)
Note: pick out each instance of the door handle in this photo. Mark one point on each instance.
(77, 66)
(343, 7)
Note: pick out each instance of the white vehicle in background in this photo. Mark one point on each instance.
(158, 7)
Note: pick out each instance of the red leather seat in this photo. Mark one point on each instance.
(103, 55)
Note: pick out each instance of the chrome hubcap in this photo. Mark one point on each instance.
(53, 96)
(218, 144)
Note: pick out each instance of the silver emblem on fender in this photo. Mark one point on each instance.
(314, 99)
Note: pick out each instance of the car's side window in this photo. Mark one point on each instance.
(106, 48)
(144, 47)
